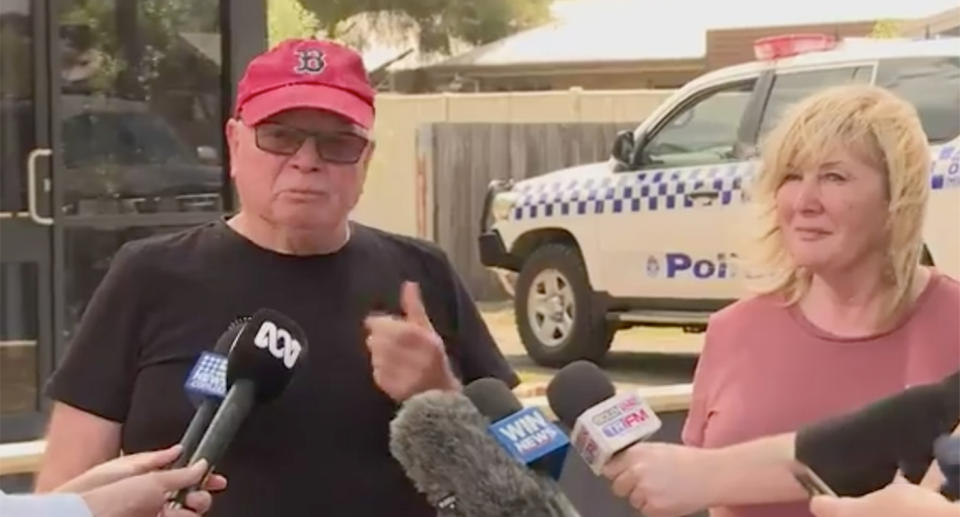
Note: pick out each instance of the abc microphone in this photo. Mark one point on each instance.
(261, 363)
(441, 441)
(603, 423)
(526, 434)
(206, 387)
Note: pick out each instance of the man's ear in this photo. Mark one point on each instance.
(366, 159)
(232, 130)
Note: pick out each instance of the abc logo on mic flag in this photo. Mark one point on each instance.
(611, 426)
(529, 436)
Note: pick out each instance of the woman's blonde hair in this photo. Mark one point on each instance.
(878, 127)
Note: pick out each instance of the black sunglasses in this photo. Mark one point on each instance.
(340, 147)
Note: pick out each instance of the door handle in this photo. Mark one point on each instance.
(32, 187)
(709, 194)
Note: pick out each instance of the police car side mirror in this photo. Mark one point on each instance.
(623, 148)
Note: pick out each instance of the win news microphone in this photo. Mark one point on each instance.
(206, 387)
(526, 434)
(441, 441)
(603, 422)
(260, 365)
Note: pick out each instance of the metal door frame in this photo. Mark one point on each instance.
(28, 234)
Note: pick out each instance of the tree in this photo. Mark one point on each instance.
(884, 29)
(474, 21)
(288, 19)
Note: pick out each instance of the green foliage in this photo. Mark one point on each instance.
(886, 29)
(288, 19)
(474, 21)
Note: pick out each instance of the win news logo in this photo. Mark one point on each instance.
(529, 436)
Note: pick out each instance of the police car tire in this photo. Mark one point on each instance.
(591, 336)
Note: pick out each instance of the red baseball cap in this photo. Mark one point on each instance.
(306, 73)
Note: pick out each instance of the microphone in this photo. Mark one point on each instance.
(441, 441)
(947, 451)
(206, 387)
(525, 434)
(603, 422)
(261, 363)
(859, 452)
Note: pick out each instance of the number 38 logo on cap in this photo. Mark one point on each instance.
(279, 342)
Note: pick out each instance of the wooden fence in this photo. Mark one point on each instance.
(462, 159)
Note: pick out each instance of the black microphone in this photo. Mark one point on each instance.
(525, 433)
(860, 452)
(261, 363)
(441, 441)
(947, 450)
(206, 388)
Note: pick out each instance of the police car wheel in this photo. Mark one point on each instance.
(554, 306)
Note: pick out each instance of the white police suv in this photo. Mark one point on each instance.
(650, 236)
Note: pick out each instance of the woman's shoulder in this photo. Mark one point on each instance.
(939, 302)
(944, 287)
(751, 310)
(751, 319)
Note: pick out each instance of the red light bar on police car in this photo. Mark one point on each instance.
(775, 47)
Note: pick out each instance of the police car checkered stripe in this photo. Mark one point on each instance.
(631, 192)
(668, 189)
(946, 169)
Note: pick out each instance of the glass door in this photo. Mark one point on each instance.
(26, 221)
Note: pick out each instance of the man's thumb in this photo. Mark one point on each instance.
(183, 477)
(412, 304)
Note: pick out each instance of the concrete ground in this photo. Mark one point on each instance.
(638, 356)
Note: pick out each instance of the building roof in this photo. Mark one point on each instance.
(644, 30)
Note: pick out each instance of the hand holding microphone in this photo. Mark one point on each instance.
(662, 479)
(606, 427)
(407, 354)
(263, 359)
(899, 499)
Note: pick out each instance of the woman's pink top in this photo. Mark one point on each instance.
(765, 369)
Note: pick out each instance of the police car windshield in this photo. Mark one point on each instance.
(932, 85)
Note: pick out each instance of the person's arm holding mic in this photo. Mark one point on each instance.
(899, 499)
(855, 454)
(129, 486)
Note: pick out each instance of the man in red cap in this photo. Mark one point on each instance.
(386, 316)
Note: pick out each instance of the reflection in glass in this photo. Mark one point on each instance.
(18, 337)
(17, 136)
(140, 110)
(88, 255)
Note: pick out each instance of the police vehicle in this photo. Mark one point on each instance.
(650, 237)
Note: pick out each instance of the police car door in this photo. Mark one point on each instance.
(668, 234)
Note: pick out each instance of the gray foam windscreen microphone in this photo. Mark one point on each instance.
(441, 441)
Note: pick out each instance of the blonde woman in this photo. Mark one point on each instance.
(846, 316)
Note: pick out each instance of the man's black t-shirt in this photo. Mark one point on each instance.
(321, 448)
